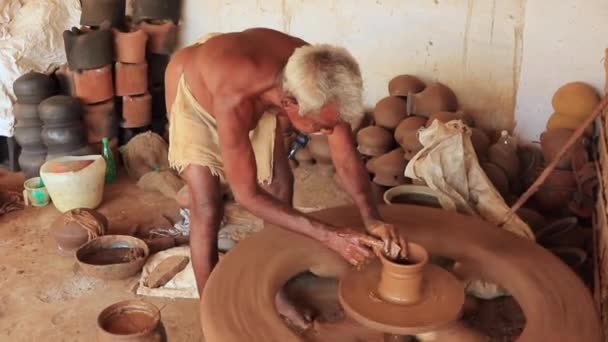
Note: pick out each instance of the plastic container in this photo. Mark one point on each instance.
(75, 182)
(35, 192)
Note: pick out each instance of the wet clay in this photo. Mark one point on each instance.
(374, 141)
(388, 168)
(576, 99)
(112, 256)
(561, 310)
(95, 85)
(128, 323)
(389, 112)
(437, 97)
(402, 85)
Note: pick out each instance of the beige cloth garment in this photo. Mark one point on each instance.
(194, 139)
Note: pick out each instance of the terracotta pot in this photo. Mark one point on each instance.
(76, 227)
(552, 141)
(481, 143)
(559, 120)
(118, 268)
(389, 112)
(437, 97)
(159, 106)
(575, 99)
(388, 168)
(534, 219)
(94, 86)
(95, 12)
(130, 47)
(449, 116)
(400, 283)
(374, 141)
(65, 79)
(498, 177)
(402, 85)
(319, 149)
(161, 37)
(29, 137)
(506, 158)
(88, 49)
(136, 111)
(100, 121)
(129, 321)
(26, 114)
(157, 64)
(409, 126)
(156, 10)
(131, 79)
(30, 161)
(556, 193)
(33, 87)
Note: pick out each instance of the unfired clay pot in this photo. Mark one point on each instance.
(403, 283)
(449, 116)
(95, 12)
(552, 141)
(556, 193)
(76, 227)
(65, 78)
(481, 143)
(374, 141)
(130, 47)
(402, 85)
(157, 64)
(576, 99)
(409, 125)
(388, 168)
(94, 86)
(131, 79)
(389, 112)
(559, 120)
(100, 121)
(156, 10)
(437, 97)
(136, 111)
(33, 87)
(498, 177)
(506, 158)
(319, 149)
(161, 37)
(88, 49)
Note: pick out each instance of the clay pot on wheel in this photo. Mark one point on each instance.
(403, 85)
(388, 168)
(156, 10)
(131, 79)
(33, 87)
(130, 47)
(437, 97)
(392, 287)
(161, 37)
(88, 49)
(136, 111)
(100, 121)
(406, 135)
(95, 12)
(374, 141)
(95, 85)
(552, 141)
(76, 227)
(481, 143)
(389, 112)
(497, 177)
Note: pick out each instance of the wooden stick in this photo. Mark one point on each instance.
(547, 171)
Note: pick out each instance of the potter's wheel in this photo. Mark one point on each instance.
(238, 300)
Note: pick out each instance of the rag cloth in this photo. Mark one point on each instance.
(194, 139)
(448, 164)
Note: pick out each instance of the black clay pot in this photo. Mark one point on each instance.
(95, 12)
(60, 139)
(29, 137)
(34, 87)
(63, 128)
(88, 49)
(25, 113)
(159, 107)
(157, 64)
(156, 10)
(30, 162)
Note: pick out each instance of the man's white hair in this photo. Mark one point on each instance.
(318, 74)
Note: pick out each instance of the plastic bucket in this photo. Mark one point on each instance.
(75, 182)
(35, 192)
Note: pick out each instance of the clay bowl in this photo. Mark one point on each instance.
(107, 257)
(437, 97)
(552, 141)
(402, 85)
(412, 194)
(388, 168)
(70, 229)
(130, 320)
(481, 143)
(389, 112)
(374, 141)
(497, 177)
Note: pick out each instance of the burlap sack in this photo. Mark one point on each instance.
(144, 153)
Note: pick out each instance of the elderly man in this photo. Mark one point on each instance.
(226, 96)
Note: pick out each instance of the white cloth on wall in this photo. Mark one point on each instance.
(31, 39)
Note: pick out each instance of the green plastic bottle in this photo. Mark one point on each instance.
(110, 165)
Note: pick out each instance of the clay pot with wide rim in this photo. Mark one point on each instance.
(506, 158)
(556, 193)
(403, 283)
(95, 85)
(497, 177)
(63, 130)
(374, 141)
(30, 161)
(161, 37)
(65, 78)
(389, 112)
(130, 47)
(131, 79)
(481, 143)
(88, 49)
(76, 227)
(157, 65)
(33, 87)
(157, 10)
(115, 324)
(436, 97)
(100, 121)
(402, 85)
(552, 141)
(136, 111)
(388, 168)
(575, 99)
(95, 12)
(449, 116)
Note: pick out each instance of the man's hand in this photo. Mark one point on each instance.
(352, 245)
(394, 245)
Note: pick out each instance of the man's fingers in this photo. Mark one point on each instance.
(404, 247)
(370, 241)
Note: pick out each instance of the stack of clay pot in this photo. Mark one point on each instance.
(63, 130)
(31, 89)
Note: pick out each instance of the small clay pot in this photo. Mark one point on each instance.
(374, 141)
(532, 218)
(94, 86)
(389, 112)
(437, 97)
(403, 85)
(506, 158)
(95, 12)
(409, 126)
(449, 116)
(575, 99)
(65, 78)
(130, 321)
(498, 177)
(130, 47)
(76, 227)
(60, 110)
(319, 149)
(159, 106)
(30, 161)
(100, 121)
(88, 49)
(559, 120)
(131, 79)
(388, 168)
(161, 37)
(552, 141)
(403, 284)
(156, 10)
(136, 111)
(481, 143)
(33, 87)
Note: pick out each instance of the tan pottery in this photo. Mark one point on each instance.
(389, 112)
(130, 47)
(402, 85)
(403, 283)
(388, 168)
(374, 141)
(94, 85)
(437, 97)
(136, 111)
(131, 79)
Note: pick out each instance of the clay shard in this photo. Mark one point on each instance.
(87, 48)
(136, 111)
(389, 168)
(576, 99)
(131, 79)
(166, 270)
(449, 116)
(95, 12)
(33, 87)
(437, 97)
(78, 226)
(95, 85)
(161, 37)
(156, 10)
(390, 111)
(130, 47)
(100, 121)
(374, 141)
(403, 85)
